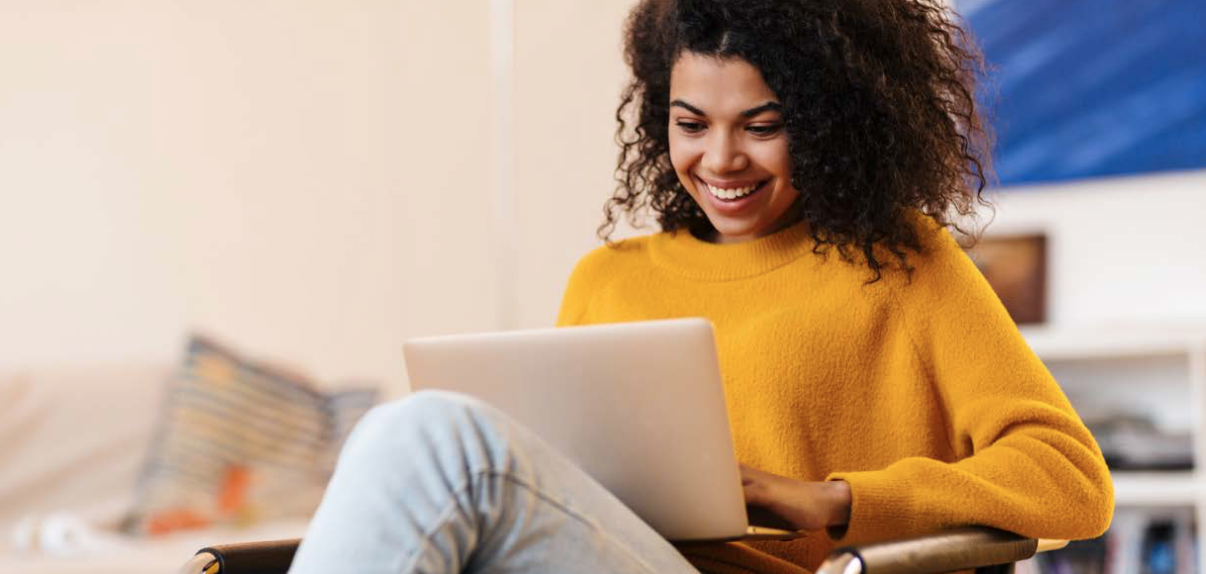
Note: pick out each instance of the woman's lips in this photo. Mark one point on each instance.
(727, 206)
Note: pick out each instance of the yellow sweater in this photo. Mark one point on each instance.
(923, 396)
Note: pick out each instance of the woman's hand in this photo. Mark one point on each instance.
(807, 505)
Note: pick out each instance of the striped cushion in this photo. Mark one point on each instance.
(240, 442)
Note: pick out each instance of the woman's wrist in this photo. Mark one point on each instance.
(840, 500)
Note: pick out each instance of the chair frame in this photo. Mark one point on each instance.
(985, 550)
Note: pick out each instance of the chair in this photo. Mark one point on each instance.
(986, 550)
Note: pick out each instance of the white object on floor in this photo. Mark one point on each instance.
(59, 534)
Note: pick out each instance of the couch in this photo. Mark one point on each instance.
(72, 442)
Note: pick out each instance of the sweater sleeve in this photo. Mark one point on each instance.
(1025, 461)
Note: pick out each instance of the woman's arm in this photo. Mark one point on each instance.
(1022, 459)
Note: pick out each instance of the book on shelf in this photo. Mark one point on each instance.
(1140, 541)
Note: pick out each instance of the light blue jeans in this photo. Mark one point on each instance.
(441, 483)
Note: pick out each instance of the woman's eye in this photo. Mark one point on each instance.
(689, 127)
(764, 130)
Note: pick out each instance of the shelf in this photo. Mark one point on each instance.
(1052, 344)
(1134, 488)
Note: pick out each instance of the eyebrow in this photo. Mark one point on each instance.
(768, 106)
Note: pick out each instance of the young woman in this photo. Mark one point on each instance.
(804, 159)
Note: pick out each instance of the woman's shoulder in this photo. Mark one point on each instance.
(939, 264)
(627, 251)
(610, 260)
(943, 283)
(595, 270)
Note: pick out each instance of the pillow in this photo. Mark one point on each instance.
(238, 442)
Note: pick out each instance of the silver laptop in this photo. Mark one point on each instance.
(638, 406)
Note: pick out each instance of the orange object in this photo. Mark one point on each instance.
(176, 519)
(232, 495)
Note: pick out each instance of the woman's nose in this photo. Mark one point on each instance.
(723, 155)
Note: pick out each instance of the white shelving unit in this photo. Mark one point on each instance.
(1157, 488)
(1159, 373)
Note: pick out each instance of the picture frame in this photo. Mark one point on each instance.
(1016, 268)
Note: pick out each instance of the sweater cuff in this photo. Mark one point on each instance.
(881, 508)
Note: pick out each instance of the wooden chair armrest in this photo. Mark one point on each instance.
(962, 549)
(951, 551)
(267, 557)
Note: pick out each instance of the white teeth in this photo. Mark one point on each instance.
(732, 193)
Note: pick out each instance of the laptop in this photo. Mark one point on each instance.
(639, 406)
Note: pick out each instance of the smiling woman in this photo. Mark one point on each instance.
(733, 158)
(880, 394)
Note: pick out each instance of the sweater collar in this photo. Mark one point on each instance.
(683, 253)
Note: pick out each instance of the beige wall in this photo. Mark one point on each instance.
(568, 76)
(306, 179)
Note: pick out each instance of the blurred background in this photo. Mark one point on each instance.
(312, 183)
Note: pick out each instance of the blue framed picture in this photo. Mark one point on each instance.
(1093, 88)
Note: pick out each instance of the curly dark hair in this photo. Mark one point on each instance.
(879, 107)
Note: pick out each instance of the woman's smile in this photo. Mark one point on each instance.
(732, 191)
(731, 199)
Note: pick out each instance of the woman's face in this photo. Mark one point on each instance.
(728, 145)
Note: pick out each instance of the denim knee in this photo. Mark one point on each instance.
(441, 420)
